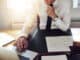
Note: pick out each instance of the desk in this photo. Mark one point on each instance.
(74, 31)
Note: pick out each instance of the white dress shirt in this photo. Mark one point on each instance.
(62, 10)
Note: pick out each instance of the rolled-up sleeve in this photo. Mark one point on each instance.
(63, 22)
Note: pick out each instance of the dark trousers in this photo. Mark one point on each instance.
(38, 42)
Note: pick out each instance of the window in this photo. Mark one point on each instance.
(76, 3)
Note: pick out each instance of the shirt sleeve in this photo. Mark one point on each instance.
(31, 21)
(64, 23)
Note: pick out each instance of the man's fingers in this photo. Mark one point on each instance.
(18, 45)
(25, 44)
(21, 44)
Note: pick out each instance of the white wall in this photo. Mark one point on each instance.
(4, 16)
(75, 13)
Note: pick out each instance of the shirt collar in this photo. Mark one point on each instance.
(55, 4)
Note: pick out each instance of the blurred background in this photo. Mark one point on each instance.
(13, 13)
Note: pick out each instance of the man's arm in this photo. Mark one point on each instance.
(63, 22)
(31, 19)
(29, 25)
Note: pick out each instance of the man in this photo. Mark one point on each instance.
(58, 12)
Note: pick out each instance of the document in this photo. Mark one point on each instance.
(59, 43)
(54, 57)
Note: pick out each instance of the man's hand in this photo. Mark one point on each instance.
(51, 12)
(22, 44)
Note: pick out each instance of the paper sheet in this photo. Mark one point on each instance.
(57, 57)
(59, 43)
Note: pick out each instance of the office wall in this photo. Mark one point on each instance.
(4, 15)
(75, 13)
(7, 16)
